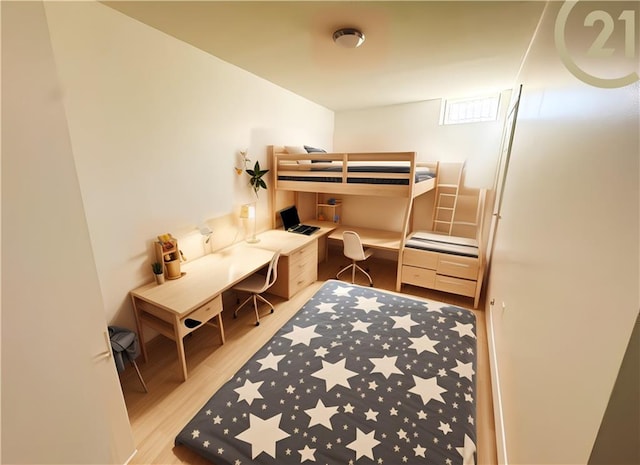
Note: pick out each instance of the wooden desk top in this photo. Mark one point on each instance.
(288, 242)
(205, 278)
(374, 238)
(210, 275)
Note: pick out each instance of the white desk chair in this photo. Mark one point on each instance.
(353, 250)
(256, 284)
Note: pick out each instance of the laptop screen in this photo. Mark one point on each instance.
(290, 217)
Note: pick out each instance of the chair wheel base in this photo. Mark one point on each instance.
(257, 323)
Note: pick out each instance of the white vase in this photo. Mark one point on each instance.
(159, 278)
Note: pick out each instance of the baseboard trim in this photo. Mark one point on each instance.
(501, 440)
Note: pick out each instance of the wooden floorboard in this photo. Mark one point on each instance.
(157, 417)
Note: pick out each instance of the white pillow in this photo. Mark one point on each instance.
(294, 150)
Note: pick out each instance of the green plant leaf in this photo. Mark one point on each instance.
(255, 177)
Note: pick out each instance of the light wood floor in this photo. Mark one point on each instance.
(157, 417)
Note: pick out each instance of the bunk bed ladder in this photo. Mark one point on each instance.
(446, 197)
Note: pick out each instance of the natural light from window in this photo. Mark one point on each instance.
(470, 110)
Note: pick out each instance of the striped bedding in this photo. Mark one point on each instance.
(434, 242)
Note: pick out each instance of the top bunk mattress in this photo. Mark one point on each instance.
(433, 242)
(422, 173)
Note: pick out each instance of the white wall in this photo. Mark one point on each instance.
(61, 400)
(156, 126)
(565, 261)
(415, 127)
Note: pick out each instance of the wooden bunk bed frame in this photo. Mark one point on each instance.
(304, 173)
(434, 270)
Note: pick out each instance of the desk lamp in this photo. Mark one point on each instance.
(248, 211)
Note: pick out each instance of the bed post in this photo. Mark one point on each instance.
(273, 169)
(407, 218)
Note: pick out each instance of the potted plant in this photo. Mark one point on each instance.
(255, 178)
(158, 272)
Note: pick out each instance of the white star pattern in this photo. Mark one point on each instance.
(371, 415)
(263, 435)
(363, 444)
(321, 415)
(423, 343)
(249, 391)
(464, 370)
(404, 322)
(302, 335)
(321, 352)
(335, 374)
(350, 379)
(342, 290)
(307, 454)
(368, 304)
(427, 389)
(420, 451)
(445, 428)
(324, 307)
(270, 361)
(464, 329)
(385, 365)
(360, 326)
(467, 451)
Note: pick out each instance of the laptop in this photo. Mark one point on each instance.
(291, 222)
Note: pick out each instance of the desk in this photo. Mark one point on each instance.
(374, 238)
(172, 308)
(179, 307)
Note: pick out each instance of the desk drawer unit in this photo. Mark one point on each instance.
(296, 271)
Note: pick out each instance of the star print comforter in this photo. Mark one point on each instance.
(357, 376)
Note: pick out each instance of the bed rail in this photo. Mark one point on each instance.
(395, 174)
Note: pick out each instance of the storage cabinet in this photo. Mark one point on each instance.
(443, 272)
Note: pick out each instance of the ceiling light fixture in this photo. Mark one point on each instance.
(348, 37)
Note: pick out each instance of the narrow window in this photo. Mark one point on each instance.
(470, 110)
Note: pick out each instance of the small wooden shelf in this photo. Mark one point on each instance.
(326, 211)
(169, 257)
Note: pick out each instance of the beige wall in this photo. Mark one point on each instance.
(156, 126)
(564, 274)
(415, 127)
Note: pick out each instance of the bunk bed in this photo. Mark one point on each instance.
(357, 375)
(389, 174)
(425, 259)
(445, 263)
(396, 174)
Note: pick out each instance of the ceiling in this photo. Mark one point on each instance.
(414, 51)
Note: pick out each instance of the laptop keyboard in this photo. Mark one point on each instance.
(304, 229)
